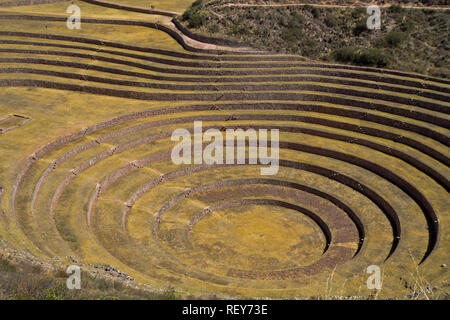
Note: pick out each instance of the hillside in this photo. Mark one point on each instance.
(406, 3)
(410, 39)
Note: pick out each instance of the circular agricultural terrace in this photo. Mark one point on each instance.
(363, 175)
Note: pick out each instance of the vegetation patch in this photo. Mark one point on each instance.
(24, 281)
(412, 40)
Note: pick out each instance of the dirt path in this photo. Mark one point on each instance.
(321, 5)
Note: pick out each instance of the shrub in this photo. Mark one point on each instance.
(395, 9)
(361, 26)
(372, 57)
(297, 20)
(169, 294)
(55, 292)
(240, 29)
(214, 28)
(283, 22)
(193, 15)
(291, 34)
(367, 57)
(102, 284)
(358, 11)
(345, 54)
(309, 46)
(331, 20)
(315, 12)
(395, 38)
(407, 25)
(293, 31)
(196, 20)
(439, 64)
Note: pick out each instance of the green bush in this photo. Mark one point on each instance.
(358, 11)
(214, 28)
(331, 21)
(283, 22)
(240, 28)
(407, 25)
(367, 57)
(395, 38)
(55, 292)
(361, 26)
(291, 34)
(315, 12)
(395, 9)
(193, 15)
(372, 57)
(297, 20)
(169, 294)
(196, 20)
(345, 54)
(309, 46)
(293, 30)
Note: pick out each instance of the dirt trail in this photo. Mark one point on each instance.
(322, 5)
